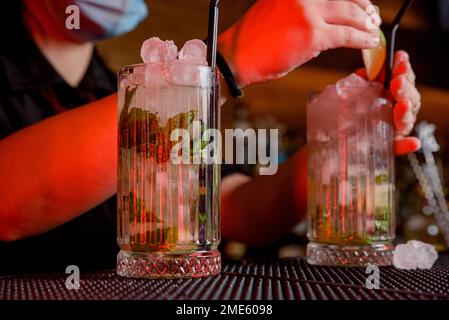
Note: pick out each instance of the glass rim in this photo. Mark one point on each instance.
(144, 64)
(314, 93)
(371, 85)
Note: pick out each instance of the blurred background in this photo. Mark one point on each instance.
(424, 34)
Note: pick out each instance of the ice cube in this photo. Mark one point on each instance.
(155, 50)
(350, 85)
(414, 254)
(194, 51)
(182, 73)
(322, 111)
(352, 80)
(338, 107)
(155, 75)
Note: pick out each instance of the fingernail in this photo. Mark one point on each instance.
(378, 20)
(402, 57)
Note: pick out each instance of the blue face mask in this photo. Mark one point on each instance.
(100, 19)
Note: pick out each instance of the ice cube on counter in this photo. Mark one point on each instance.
(414, 255)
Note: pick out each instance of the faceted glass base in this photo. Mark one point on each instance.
(349, 256)
(168, 265)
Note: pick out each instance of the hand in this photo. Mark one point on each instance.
(275, 37)
(408, 103)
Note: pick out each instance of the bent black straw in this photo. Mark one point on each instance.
(391, 41)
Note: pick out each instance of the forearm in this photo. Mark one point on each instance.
(57, 169)
(259, 210)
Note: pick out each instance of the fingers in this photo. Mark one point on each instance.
(402, 89)
(404, 145)
(402, 67)
(349, 37)
(350, 24)
(404, 117)
(364, 4)
(348, 13)
(401, 56)
(408, 103)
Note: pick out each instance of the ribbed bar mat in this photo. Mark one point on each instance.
(289, 279)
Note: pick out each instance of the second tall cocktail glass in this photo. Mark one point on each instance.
(350, 175)
(168, 211)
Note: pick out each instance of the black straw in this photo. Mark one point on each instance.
(212, 33)
(391, 41)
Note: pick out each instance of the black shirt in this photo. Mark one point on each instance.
(31, 91)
